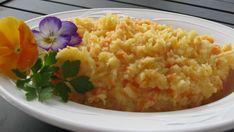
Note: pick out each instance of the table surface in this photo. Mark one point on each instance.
(14, 120)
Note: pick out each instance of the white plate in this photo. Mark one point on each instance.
(217, 116)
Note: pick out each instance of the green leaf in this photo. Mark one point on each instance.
(21, 83)
(70, 68)
(41, 79)
(31, 93)
(63, 90)
(29, 88)
(50, 58)
(82, 84)
(19, 73)
(51, 69)
(45, 94)
(31, 96)
(37, 66)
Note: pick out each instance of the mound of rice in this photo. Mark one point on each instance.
(139, 65)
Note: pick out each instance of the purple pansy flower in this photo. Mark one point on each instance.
(55, 34)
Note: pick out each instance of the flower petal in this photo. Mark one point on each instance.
(50, 25)
(44, 45)
(37, 36)
(40, 40)
(8, 34)
(4, 51)
(36, 33)
(75, 40)
(28, 48)
(60, 43)
(68, 28)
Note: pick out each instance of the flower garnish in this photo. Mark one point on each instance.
(55, 34)
(38, 76)
(18, 49)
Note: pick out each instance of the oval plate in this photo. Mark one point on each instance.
(217, 116)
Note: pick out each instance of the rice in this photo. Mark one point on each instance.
(139, 65)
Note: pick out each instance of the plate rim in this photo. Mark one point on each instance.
(36, 113)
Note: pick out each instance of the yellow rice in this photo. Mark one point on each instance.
(139, 65)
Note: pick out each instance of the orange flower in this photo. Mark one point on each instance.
(18, 49)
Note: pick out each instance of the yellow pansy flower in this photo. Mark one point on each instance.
(18, 48)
